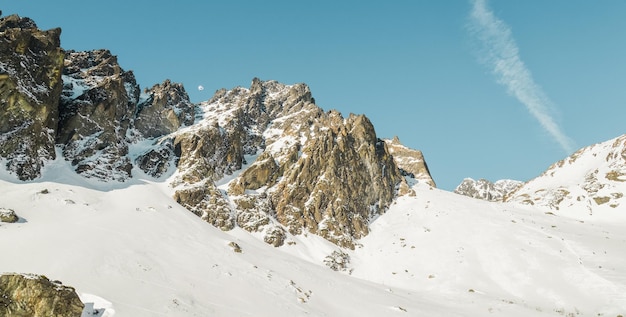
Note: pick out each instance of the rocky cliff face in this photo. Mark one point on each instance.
(316, 172)
(30, 295)
(97, 110)
(31, 61)
(594, 177)
(486, 190)
(164, 108)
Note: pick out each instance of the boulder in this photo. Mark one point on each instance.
(28, 295)
(8, 215)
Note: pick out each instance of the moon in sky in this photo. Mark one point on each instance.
(200, 88)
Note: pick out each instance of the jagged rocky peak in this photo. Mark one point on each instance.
(97, 109)
(233, 124)
(411, 162)
(163, 109)
(309, 170)
(35, 295)
(486, 190)
(593, 178)
(31, 61)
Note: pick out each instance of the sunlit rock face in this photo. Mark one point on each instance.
(35, 295)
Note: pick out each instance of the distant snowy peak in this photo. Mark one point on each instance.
(486, 190)
(592, 179)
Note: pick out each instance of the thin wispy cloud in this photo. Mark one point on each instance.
(500, 53)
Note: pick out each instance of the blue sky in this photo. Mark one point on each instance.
(426, 71)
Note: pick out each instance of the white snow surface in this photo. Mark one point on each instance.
(130, 250)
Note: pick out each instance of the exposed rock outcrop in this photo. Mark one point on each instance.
(30, 295)
(163, 109)
(31, 61)
(411, 163)
(96, 111)
(486, 190)
(8, 215)
(344, 177)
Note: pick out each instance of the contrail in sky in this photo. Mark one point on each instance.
(502, 56)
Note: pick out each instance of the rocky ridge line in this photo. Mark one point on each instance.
(267, 158)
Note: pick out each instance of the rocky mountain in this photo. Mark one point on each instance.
(37, 296)
(264, 158)
(307, 170)
(486, 190)
(593, 178)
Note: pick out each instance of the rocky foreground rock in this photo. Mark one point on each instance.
(29, 295)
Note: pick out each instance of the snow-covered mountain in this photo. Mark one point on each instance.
(257, 203)
(588, 184)
(486, 190)
(264, 158)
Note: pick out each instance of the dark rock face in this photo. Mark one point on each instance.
(31, 61)
(165, 109)
(30, 295)
(96, 111)
(157, 161)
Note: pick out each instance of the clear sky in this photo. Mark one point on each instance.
(486, 89)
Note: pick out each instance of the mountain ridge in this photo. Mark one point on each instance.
(313, 171)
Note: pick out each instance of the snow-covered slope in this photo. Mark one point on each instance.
(130, 250)
(589, 184)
